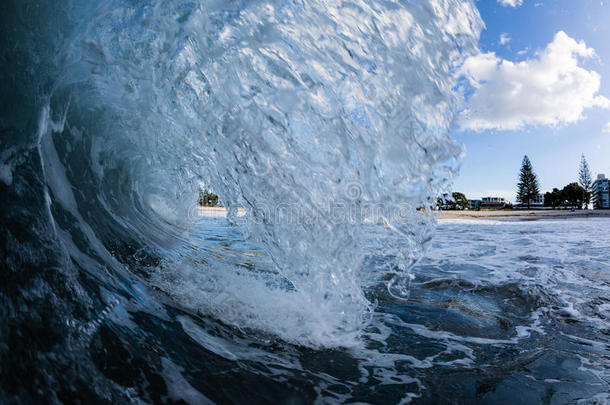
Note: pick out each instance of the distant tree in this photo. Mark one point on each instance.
(585, 179)
(455, 201)
(553, 198)
(527, 188)
(207, 199)
(573, 194)
(460, 201)
(549, 200)
(440, 203)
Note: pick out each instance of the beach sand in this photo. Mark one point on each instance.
(216, 212)
(523, 214)
(485, 214)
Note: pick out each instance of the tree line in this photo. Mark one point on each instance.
(207, 198)
(455, 201)
(574, 195)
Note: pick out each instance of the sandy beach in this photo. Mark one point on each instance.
(523, 214)
(217, 212)
(486, 214)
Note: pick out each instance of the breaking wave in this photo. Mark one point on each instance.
(327, 122)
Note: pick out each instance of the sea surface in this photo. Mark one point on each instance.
(328, 124)
(497, 312)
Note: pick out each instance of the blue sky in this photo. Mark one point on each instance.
(540, 86)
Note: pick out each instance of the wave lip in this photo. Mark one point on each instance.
(293, 111)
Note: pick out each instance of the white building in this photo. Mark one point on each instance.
(493, 202)
(601, 192)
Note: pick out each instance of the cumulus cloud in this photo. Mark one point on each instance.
(504, 38)
(511, 3)
(548, 89)
(606, 129)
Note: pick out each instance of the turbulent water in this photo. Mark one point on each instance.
(327, 123)
(497, 312)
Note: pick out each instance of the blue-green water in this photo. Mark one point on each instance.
(329, 124)
(497, 312)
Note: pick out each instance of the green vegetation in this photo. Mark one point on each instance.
(527, 188)
(460, 201)
(553, 199)
(457, 201)
(585, 179)
(572, 195)
(207, 199)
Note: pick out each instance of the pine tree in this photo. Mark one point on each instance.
(527, 188)
(585, 179)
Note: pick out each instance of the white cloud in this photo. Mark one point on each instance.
(504, 38)
(511, 3)
(606, 129)
(548, 89)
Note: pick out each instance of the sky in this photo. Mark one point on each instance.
(538, 86)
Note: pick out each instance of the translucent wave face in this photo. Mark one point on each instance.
(313, 116)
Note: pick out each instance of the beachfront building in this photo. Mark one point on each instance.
(493, 203)
(475, 205)
(601, 192)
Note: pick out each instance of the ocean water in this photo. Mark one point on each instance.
(323, 126)
(496, 312)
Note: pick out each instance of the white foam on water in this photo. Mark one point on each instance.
(304, 114)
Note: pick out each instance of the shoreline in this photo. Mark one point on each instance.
(216, 212)
(479, 215)
(524, 214)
